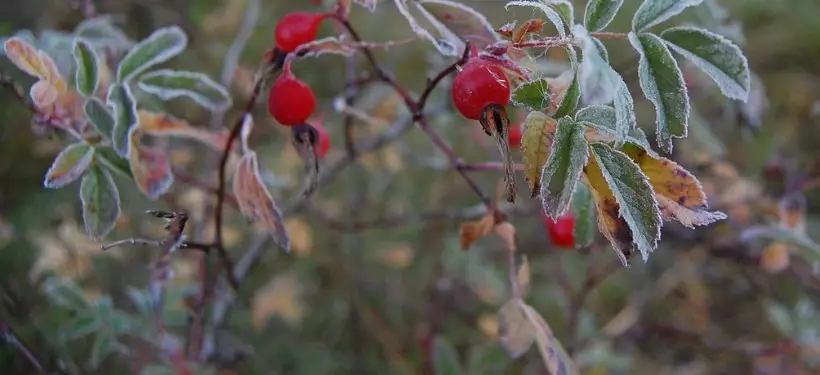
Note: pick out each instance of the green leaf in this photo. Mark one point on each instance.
(635, 196)
(65, 293)
(662, 83)
(653, 12)
(625, 119)
(603, 118)
(125, 117)
(159, 47)
(69, 165)
(717, 56)
(600, 13)
(571, 98)
(533, 95)
(597, 80)
(104, 344)
(101, 202)
(169, 84)
(781, 317)
(445, 357)
(583, 208)
(599, 45)
(87, 78)
(81, 326)
(568, 156)
(100, 116)
(487, 358)
(113, 162)
(552, 15)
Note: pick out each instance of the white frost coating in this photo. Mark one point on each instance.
(247, 128)
(100, 202)
(653, 12)
(569, 154)
(159, 47)
(603, 118)
(443, 46)
(662, 83)
(604, 10)
(169, 84)
(635, 196)
(334, 45)
(597, 86)
(62, 172)
(481, 38)
(99, 115)
(125, 117)
(567, 5)
(551, 14)
(625, 120)
(369, 4)
(717, 56)
(85, 57)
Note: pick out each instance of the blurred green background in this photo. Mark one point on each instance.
(371, 300)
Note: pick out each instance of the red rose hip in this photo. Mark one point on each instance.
(562, 230)
(291, 101)
(479, 84)
(297, 28)
(514, 136)
(323, 145)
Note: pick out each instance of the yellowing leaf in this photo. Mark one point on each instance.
(281, 296)
(524, 276)
(398, 257)
(162, 124)
(255, 200)
(537, 135)
(37, 64)
(488, 324)
(471, 231)
(43, 94)
(679, 194)
(775, 257)
(300, 236)
(610, 223)
(150, 167)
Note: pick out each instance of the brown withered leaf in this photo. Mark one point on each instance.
(472, 231)
(506, 30)
(530, 26)
(515, 332)
(556, 358)
(679, 194)
(506, 231)
(536, 141)
(150, 167)
(610, 223)
(255, 200)
(163, 124)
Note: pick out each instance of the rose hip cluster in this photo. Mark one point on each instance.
(291, 101)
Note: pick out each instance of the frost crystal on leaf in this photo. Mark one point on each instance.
(599, 13)
(653, 12)
(568, 156)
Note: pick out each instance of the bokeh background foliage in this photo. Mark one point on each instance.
(370, 300)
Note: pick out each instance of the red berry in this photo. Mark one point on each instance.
(514, 136)
(562, 231)
(291, 101)
(297, 28)
(478, 84)
(324, 142)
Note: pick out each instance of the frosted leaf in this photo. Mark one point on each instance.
(87, 72)
(662, 83)
(597, 83)
(568, 156)
(717, 56)
(162, 45)
(444, 46)
(583, 208)
(624, 110)
(459, 23)
(125, 117)
(653, 12)
(69, 165)
(599, 13)
(551, 14)
(635, 196)
(100, 116)
(564, 8)
(571, 97)
(169, 84)
(533, 95)
(602, 118)
(100, 201)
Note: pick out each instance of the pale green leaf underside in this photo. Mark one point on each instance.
(635, 196)
(100, 116)
(69, 165)
(533, 95)
(662, 83)
(169, 84)
(717, 56)
(159, 47)
(125, 117)
(568, 156)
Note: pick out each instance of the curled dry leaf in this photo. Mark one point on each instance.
(530, 26)
(679, 194)
(536, 140)
(150, 167)
(514, 329)
(506, 231)
(255, 200)
(454, 19)
(40, 65)
(471, 231)
(163, 124)
(556, 358)
(495, 122)
(524, 276)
